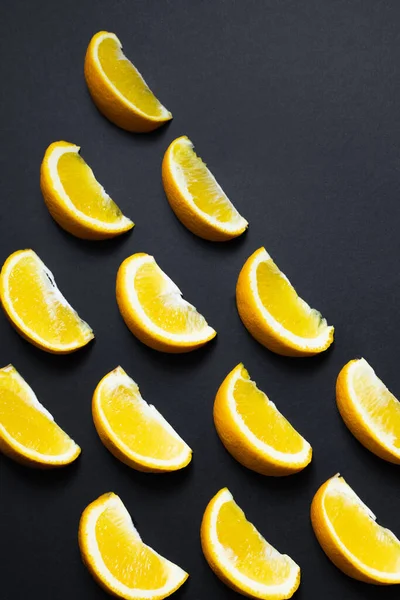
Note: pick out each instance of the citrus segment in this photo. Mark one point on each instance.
(195, 196)
(274, 314)
(369, 409)
(154, 310)
(134, 431)
(74, 197)
(350, 536)
(254, 431)
(28, 433)
(118, 89)
(36, 307)
(120, 562)
(241, 557)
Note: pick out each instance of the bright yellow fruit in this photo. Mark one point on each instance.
(154, 310)
(37, 308)
(254, 431)
(28, 433)
(74, 197)
(241, 557)
(134, 431)
(369, 410)
(274, 314)
(117, 558)
(118, 89)
(196, 198)
(349, 535)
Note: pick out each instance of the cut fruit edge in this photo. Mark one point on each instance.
(239, 225)
(235, 576)
(29, 453)
(8, 304)
(130, 269)
(322, 340)
(90, 550)
(380, 437)
(268, 451)
(119, 377)
(100, 37)
(50, 162)
(339, 484)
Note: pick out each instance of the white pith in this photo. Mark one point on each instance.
(117, 378)
(226, 561)
(339, 485)
(276, 455)
(174, 292)
(180, 181)
(382, 436)
(165, 113)
(91, 222)
(91, 515)
(312, 344)
(20, 448)
(7, 302)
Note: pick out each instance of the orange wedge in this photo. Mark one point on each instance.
(117, 558)
(196, 198)
(241, 557)
(118, 89)
(254, 431)
(274, 314)
(350, 536)
(369, 409)
(134, 431)
(74, 197)
(28, 433)
(36, 307)
(154, 310)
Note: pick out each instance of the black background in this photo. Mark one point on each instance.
(295, 107)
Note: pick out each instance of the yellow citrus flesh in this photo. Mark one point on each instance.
(350, 536)
(125, 556)
(153, 308)
(74, 197)
(281, 300)
(369, 409)
(37, 308)
(134, 431)
(127, 79)
(161, 303)
(262, 418)
(196, 197)
(241, 557)
(254, 431)
(118, 559)
(117, 87)
(28, 432)
(274, 314)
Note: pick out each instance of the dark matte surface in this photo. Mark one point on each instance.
(295, 107)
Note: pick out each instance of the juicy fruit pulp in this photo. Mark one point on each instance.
(129, 560)
(37, 301)
(162, 302)
(378, 402)
(127, 79)
(373, 545)
(281, 300)
(248, 551)
(262, 418)
(84, 191)
(204, 190)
